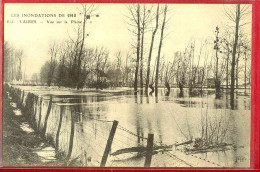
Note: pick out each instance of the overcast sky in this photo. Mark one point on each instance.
(188, 22)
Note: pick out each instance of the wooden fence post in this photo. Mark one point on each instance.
(149, 151)
(109, 144)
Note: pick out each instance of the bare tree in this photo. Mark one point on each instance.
(196, 73)
(100, 59)
(134, 21)
(151, 50)
(237, 64)
(87, 12)
(182, 66)
(19, 56)
(145, 20)
(237, 16)
(127, 69)
(64, 52)
(165, 10)
(119, 68)
(191, 70)
(8, 61)
(227, 46)
(217, 74)
(53, 51)
(246, 49)
(204, 71)
(79, 45)
(170, 71)
(13, 58)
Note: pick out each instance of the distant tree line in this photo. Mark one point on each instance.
(94, 68)
(13, 58)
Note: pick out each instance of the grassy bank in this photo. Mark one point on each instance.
(19, 146)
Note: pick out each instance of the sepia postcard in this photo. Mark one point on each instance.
(127, 85)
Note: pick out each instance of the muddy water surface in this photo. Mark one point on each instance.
(79, 124)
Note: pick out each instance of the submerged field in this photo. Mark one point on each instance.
(198, 131)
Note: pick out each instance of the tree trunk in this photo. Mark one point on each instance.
(97, 70)
(61, 73)
(150, 52)
(81, 49)
(237, 66)
(234, 58)
(167, 85)
(181, 90)
(152, 88)
(141, 65)
(159, 52)
(20, 68)
(138, 49)
(227, 75)
(245, 72)
(217, 79)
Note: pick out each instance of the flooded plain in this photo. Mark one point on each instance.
(79, 124)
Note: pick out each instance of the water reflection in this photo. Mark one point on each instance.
(159, 115)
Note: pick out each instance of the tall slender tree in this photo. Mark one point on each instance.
(236, 16)
(53, 51)
(145, 20)
(151, 50)
(165, 10)
(233, 63)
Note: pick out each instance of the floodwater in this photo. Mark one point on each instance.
(80, 122)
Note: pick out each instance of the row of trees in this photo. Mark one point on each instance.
(202, 69)
(224, 57)
(96, 68)
(140, 19)
(13, 57)
(215, 62)
(72, 64)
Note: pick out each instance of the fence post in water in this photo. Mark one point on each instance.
(109, 143)
(149, 151)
